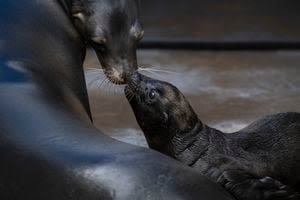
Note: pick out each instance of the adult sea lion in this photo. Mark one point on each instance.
(113, 29)
(48, 147)
(253, 163)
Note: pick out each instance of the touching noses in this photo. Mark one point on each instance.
(135, 77)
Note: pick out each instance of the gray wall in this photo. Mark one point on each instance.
(222, 20)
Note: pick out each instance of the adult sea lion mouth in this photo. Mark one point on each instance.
(115, 76)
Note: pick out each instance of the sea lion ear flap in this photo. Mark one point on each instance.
(166, 116)
(78, 10)
(80, 16)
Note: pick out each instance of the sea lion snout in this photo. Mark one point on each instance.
(136, 78)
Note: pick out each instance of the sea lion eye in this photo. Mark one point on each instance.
(98, 46)
(139, 35)
(152, 94)
(80, 16)
(99, 40)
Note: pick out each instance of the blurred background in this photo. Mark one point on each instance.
(234, 60)
(219, 21)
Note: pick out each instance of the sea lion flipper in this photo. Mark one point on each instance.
(245, 186)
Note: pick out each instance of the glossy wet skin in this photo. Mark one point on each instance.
(160, 108)
(113, 29)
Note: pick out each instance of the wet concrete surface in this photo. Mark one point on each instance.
(228, 90)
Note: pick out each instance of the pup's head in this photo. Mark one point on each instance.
(160, 108)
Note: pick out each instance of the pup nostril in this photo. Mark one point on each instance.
(136, 77)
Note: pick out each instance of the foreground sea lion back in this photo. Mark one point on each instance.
(49, 150)
(253, 163)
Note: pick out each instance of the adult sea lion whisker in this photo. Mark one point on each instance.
(110, 84)
(97, 83)
(105, 79)
(157, 70)
(95, 68)
(113, 88)
(94, 71)
(92, 81)
(117, 89)
(101, 83)
(105, 86)
(154, 73)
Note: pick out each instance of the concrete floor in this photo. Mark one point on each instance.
(228, 90)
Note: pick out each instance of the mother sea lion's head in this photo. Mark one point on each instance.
(113, 29)
(160, 108)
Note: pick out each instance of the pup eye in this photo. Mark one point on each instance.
(152, 94)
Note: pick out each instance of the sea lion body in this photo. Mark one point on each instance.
(242, 161)
(48, 147)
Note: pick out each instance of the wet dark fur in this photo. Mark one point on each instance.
(256, 162)
(49, 150)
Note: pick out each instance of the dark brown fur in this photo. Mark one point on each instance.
(253, 163)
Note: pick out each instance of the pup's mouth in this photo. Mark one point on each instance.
(132, 88)
(135, 81)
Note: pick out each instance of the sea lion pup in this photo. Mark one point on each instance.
(253, 163)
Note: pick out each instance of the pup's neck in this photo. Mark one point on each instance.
(188, 147)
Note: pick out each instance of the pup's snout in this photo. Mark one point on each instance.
(135, 78)
(137, 81)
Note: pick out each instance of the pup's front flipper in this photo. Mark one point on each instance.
(245, 186)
